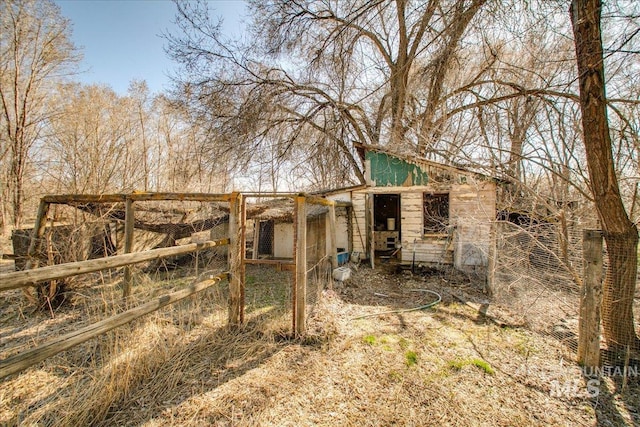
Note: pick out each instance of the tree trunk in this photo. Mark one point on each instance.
(620, 234)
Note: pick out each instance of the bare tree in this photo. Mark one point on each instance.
(35, 49)
(89, 146)
(620, 234)
(356, 68)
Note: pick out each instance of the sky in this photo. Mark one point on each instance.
(121, 39)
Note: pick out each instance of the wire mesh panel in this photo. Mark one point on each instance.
(288, 252)
(79, 231)
(538, 277)
(70, 235)
(320, 247)
(585, 299)
(620, 301)
(160, 224)
(84, 227)
(269, 256)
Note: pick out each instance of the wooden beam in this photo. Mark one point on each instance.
(21, 279)
(370, 224)
(136, 197)
(332, 240)
(22, 361)
(319, 201)
(491, 262)
(36, 235)
(590, 300)
(269, 261)
(300, 257)
(236, 257)
(256, 239)
(129, 220)
(84, 198)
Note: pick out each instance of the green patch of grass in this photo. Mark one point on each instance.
(395, 376)
(458, 364)
(484, 365)
(369, 339)
(525, 348)
(411, 358)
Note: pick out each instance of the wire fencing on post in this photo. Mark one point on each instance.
(576, 286)
(535, 277)
(269, 255)
(620, 300)
(80, 228)
(320, 250)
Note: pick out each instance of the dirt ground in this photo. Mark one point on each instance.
(369, 359)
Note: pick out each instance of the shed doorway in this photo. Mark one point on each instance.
(386, 224)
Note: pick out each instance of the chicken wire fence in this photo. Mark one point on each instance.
(272, 247)
(318, 252)
(536, 283)
(537, 277)
(84, 231)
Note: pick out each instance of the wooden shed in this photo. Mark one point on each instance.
(272, 230)
(421, 212)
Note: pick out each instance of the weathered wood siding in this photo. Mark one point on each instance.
(317, 245)
(472, 208)
(415, 246)
(342, 232)
(359, 223)
(283, 240)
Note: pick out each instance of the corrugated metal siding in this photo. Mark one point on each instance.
(387, 170)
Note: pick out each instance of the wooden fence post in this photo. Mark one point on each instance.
(590, 300)
(300, 255)
(333, 239)
(36, 236)
(236, 258)
(35, 244)
(491, 261)
(255, 252)
(129, 222)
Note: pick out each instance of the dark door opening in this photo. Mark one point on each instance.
(265, 246)
(386, 217)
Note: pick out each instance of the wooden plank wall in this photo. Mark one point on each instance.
(472, 208)
(359, 223)
(415, 247)
(283, 240)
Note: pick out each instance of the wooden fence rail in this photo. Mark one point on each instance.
(136, 197)
(22, 361)
(21, 279)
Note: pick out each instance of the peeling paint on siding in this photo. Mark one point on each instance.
(389, 171)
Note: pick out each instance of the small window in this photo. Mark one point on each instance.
(435, 213)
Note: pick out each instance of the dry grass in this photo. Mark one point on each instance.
(183, 366)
